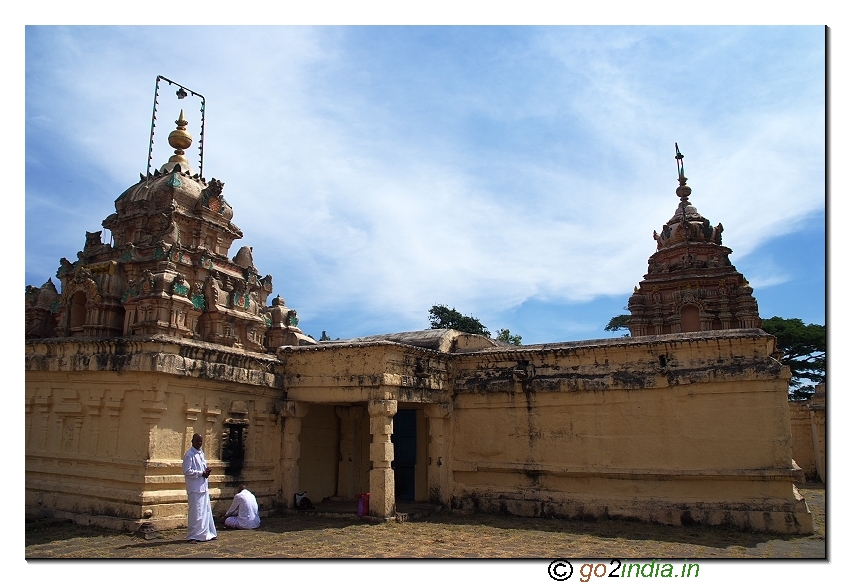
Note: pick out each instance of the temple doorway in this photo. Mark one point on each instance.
(404, 444)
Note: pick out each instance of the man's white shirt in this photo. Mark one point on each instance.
(194, 465)
(245, 508)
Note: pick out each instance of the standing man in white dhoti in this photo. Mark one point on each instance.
(201, 526)
(244, 512)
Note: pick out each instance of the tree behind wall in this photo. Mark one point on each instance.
(444, 317)
(504, 335)
(804, 350)
(617, 323)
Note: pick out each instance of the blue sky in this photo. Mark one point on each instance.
(514, 173)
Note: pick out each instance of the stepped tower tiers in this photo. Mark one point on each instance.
(691, 285)
(167, 270)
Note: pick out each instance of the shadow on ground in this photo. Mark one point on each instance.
(443, 535)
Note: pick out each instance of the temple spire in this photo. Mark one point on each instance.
(683, 191)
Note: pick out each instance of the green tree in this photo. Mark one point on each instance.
(504, 335)
(620, 322)
(803, 348)
(442, 316)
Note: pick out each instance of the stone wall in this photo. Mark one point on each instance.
(675, 429)
(808, 434)
(108, 423)
(802, 447)
(319, 461)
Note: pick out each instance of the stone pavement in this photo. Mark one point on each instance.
(321, 534)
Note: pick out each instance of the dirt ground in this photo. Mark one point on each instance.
(444, 535)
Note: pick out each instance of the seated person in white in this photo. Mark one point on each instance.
(244, 512)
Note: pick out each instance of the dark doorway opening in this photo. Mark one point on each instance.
(404, 464)
(233, 452)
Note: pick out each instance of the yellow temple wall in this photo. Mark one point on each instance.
(676, 431)
(802, 446)
(319, 460)
(105, 447)
(679, 429)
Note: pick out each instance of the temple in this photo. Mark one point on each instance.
(167, 270)
(158, 334)
(691, 285)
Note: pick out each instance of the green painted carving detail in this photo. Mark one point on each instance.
(174, 181)
(199, 302)
(129, 293)
(159, 253)
(181, 289)
(294, 320)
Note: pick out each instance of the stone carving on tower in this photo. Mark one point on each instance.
(166, 270)
(41, 305)
(691, 285)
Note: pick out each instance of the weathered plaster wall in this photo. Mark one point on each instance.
(354, 440)
(319, 461)
(802, 444)
(421, 456)
(691, 428)
(360, 372)
(674, 429)
(108, 423)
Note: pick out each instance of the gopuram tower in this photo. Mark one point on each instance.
(166, 271)
(690, 285)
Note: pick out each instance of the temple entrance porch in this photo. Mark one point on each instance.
(337, 451)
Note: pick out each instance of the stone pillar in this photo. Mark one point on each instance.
(349, 451)
(675, 325)
(41, 405)
(261, 421)
(212, 411)
(290, 450)
(28, 422)
(191, 412)
(93, 407)
(69, 419)
(153, 405)
(381, 452)
(439, 417)
(114, 403)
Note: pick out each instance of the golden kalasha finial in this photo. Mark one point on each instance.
(179, 139)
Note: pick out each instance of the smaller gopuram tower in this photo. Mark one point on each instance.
(691, 285)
